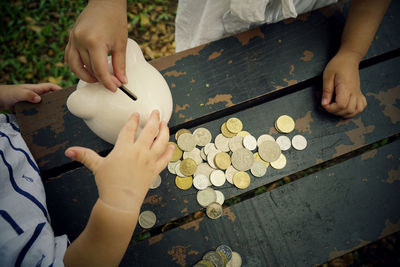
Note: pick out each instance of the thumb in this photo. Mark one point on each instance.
(327, 88)
(86, 156)
(27, 95)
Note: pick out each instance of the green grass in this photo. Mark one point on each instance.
(34, 35)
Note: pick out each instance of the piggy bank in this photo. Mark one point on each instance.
(105, 112)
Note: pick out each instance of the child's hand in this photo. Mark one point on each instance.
(125, 175)
(341, 89)
(100, 28)
(12, 94)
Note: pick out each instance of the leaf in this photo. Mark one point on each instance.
(22, 59)
(144, 20)
(54, 80)
(35, 28)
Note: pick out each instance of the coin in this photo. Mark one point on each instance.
(178, 170)
(172, 166)
(204, 168)
(186, 142)
(242, 159)
(229, 173)
(179, 132)
(269, 151)
(264, 137)
(284, 124)
(188, 167)
(243, 133)
(147, 219)
(184, 183)
(206, 197)
(258, 169)
(236, 260)
(235, 143)
(156, 182)
(241, 180)
(227, 251)
(202, 136)
(210, 158)
(222, 143)
(177, 152)
(250, 142)
(226, 132)
(201, 182)
(258, 158)
(222, 160)
(299, 142)
(209, 147)
(280, 163)
(204, 263)
(284, 142)
(220, 197)
(217, 178)
(194, 155)
(214, 211)
(223, 257)
(234, 125)
(203, 154)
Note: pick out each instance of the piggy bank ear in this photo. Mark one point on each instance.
(83, 101)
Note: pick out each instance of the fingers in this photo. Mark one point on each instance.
(128, 132)
(99, 63)
(159, 145)
(86, 156)
(328, 88)
(118, 62)
(350, 109)
(75, 63)
(165, 158)
(149, 132)
(42, 88)
(341, 100)
(26, 95)
(361, 104)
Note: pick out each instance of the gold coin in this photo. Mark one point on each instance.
(181, 131)
(284, 124)
(188, 167)
(280, 163)
(184, 183)
(243, 133)
(258, 158)
(222, 160)
(226, 132)
(234, 125)
(177, 152)
(223, 257)
(241, 180)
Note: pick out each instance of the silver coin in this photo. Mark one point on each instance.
(211, 156)
(178, 170)
(186, 142)
(215, 258)
(250, 142)
(156, 182)
(209, 147)
(222, 143)
(172, 166)
(214, 211)
(194, 154)
(258, 169)
(284, 142)
(147, 219)
(299, 142)
(227, 251)
(236, 142)
(201, 182)
(203, 154)
(204, 168)
(264, 137)
(242, 159)
(229, 173)
(269, 151)
(202, 136)
(236, 260)
(220, 197)
(217, 178)
(206, 197)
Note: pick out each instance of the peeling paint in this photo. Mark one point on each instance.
(188, 119)
(308, 55)
(388, 99)
(369, 155)
(303, 124)
(173, 85)
(183, 107)
(193, 252)
(178, 254)
(153, 200)
(289, 82)
(185, 201)
(389, 156)
(272, 131)
(337, 253)
(245, 37)
(231, 216)
(181, 116)
(291, 72)
(193, 224)
(390, 228)
(155, 239)
(364, 180)
(192, 80)
(318, 161)
(184, 210)
(393, 175)
(302, 17)
(221, 98)
(206, 238)
(230, 62)
(215, 54)
(174, 73)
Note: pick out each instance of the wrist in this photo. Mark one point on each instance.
(351, 54)
(122, 198)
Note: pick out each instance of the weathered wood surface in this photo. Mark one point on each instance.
(213, 78)
(328, 137)
(305, 222)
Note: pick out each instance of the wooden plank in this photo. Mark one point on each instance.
(211, 78)
(328, 137)
(303, 223)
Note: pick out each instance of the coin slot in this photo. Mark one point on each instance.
(128, 93)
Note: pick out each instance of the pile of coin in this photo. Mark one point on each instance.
(200, 163)
(221, 257)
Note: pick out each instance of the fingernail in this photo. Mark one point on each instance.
(125, 79)
(324, 101)
(36, 99)
(70, 154)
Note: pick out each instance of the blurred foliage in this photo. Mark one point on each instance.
(34, 35)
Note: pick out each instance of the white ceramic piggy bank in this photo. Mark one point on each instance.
(106, 112)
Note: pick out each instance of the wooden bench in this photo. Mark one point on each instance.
(339, 194)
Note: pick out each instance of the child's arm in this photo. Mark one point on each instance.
(11, 94)
(341, 75)
(123, 179)
(100, 29)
